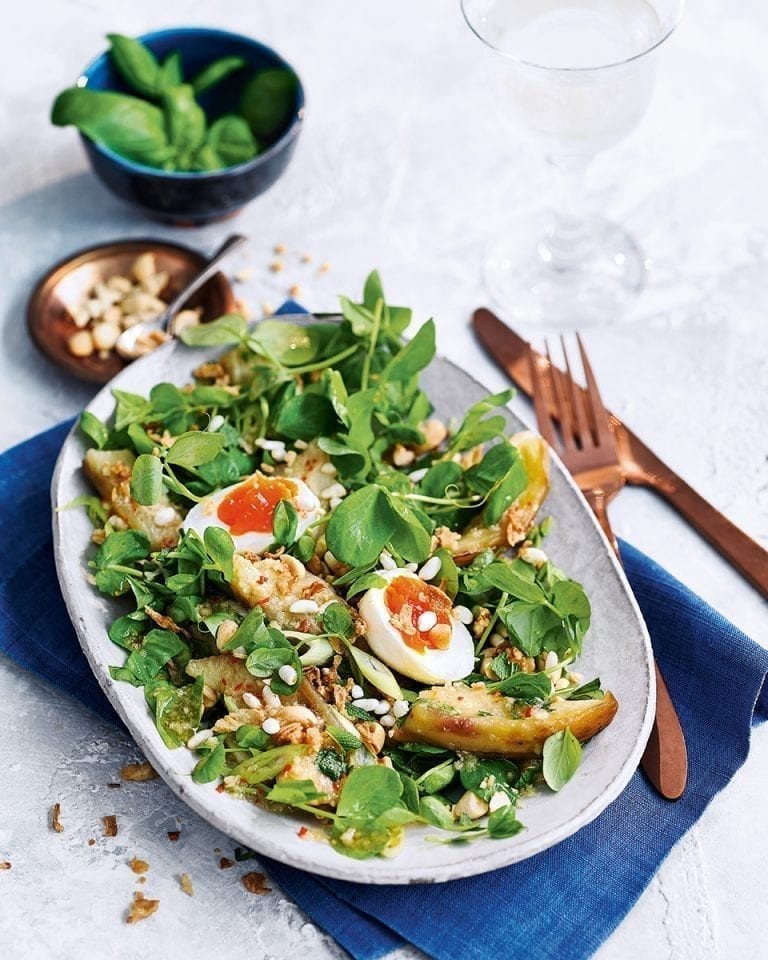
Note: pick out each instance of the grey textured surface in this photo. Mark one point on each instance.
(405, 165)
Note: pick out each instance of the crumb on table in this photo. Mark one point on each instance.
(255, 883)
(138, 772)
(55, 821)
(110, 825)
(141, 908)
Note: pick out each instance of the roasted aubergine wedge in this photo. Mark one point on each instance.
(472, 719)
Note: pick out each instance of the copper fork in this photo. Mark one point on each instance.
(587, 447)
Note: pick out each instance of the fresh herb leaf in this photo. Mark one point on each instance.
(227, 329)
(295, 792)
(368, 792)
(135, 63)
(588, 691)
(268, 102)
(92, 428)
(231, 139)
(503, 823)
(285, 522)
(194, 448)
(250, 737)
(147, 479)
(345, 740)
(131, 127)
(215, 72)
(361, 526)
(561, 758)
(221, 548)
(330, 763)
(211, 766)
(337, 620)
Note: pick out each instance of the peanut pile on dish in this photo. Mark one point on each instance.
(115, 303)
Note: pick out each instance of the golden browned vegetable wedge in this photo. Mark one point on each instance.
(225, 674)
(519, 518)
(110, 472)
(472, 719)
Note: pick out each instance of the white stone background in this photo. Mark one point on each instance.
(404, 165)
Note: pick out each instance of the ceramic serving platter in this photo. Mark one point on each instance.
(617, 649)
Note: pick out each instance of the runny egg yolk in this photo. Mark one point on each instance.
(250, 507)
(407, 599)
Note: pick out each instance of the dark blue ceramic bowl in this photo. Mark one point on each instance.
(195, 198)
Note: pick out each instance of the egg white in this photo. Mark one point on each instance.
(204, 515)
(385, 640)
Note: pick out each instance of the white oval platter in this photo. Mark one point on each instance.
(617, 649)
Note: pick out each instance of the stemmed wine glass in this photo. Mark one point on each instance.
(576, 77)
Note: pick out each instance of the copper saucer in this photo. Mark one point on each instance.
(65, 284)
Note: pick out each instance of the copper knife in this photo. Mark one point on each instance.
(640, 465)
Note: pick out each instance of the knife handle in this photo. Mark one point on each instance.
(744, 553)
(665, 760)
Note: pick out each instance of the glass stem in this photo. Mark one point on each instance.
(568, 239)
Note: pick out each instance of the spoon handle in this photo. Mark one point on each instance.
(231, 243)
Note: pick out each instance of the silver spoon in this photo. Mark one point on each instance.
(127, 345)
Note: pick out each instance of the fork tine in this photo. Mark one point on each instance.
(599, 413)
(583, 429)
(561, 406)
(540, 401)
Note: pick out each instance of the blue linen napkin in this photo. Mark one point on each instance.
(562, 903)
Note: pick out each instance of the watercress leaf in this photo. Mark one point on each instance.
(373, 291)
(368, 792)
(376, 672)
(497, 460)
(194, 448)
(211, 765)
(366, 582)
(264, 661)
(94, 508)
(504, 823)
(305, 416)
(529, 624)
(337, 620)
(366, 839)
(158, 648)
(409, 539)
(410, 795)
(268, 102)
(588, 691)
(294, 792)
(221, 549)
(231, 139)
(147, 479)
(251, 629)
(358, 316)
(441, 479)
(135, 63)
(414, 356)
(438, 778)
(570, 599)
(506, 491)
(227, 329)
(92, 428)
(140, 439)
(448, 578)
(131, 408)
(304, 548)
(361, 526)
(123, 547)
(485, 777)
(285, 522)
(128, 631)
(215, 72)
(529, 687)
(477, 427)
(127, 125)
(504, 578)
(250, 737)
(184, 118)
(561, 758)
(437, 812)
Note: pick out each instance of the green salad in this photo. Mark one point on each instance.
(337, 600)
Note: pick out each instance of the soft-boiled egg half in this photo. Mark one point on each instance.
(246, 510)
(411, 628)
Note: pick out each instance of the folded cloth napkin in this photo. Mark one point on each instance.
(561, 903)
